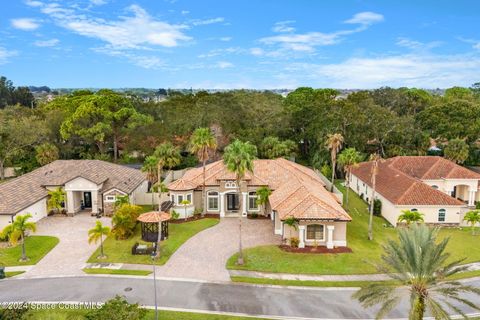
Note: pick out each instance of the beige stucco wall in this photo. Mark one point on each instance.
(4, 221)
(339, 233)
(391, 211)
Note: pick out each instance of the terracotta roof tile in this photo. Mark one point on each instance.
(398, 180)
(297, 190)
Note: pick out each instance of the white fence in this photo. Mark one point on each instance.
(146, 198)
(328, 185)
(174, 175)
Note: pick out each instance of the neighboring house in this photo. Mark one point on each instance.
(297, 192)
(88, 184)
(437, 187)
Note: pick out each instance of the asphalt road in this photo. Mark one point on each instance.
(326, 303)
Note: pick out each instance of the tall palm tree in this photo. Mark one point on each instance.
(46, 153)
(167, 156)
(409, 216)
(375, 159)
(95, 234)
(334, 144)
(238, 158)
(348, 159)
(56, 199)
(202, 142)
(472, 217)
(418, 265)
(17, 230)
(150, 168)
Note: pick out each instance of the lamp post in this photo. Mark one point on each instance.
(153, 255)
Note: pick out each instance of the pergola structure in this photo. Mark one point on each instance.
(150, 222)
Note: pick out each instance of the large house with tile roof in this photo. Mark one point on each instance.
(297, 192)
(90, 185)
(440, 189)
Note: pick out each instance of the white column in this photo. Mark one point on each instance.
(330, 237)
(471, 198)
(301, 236)
(70, 203)
(244, 204)
(94, 201)
(222, 204)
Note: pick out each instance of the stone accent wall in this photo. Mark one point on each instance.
(108, 207)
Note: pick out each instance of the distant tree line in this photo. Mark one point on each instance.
(124, 127)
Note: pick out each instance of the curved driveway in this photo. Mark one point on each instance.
(203, 257)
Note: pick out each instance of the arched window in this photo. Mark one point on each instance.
(435, 187)
(316, 232)
(230, 184)
(212, 201)
(413, 210)
(441, 215)
(252, 201)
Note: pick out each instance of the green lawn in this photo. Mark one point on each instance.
(36, 246)
(13, 273)
(303, 283)
(365, 253)
(62, 314)
(117, 271)
(119, 251)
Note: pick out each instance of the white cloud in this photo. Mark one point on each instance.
(257, 51)
(185, 12)
(224, 64)
(475, 43)
(128, 32)
(365, 18)
(207, 21)
(283, 26)
(98, 2)
(307, 42)
(146, 62)
(25, 24)
(33, 3)
(5, 55)
(222, 52)
(416, 45)
(47, 43)
(427, 71)
(225, 39)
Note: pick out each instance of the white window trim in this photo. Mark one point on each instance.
(175, 198)
(309, 239)
(252, 197)
(218, 201)
(444, 215)
(110, 198)
(230, 184)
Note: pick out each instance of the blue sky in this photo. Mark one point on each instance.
(240, 44)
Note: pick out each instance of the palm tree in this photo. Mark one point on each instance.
(202, 142)
(185, 203)
(150, 168)
(472, 217)
(238, 158)
(348, 159)
(123, 225)
(96, 234)
(168, 157)
(263, 193)
(292, 223)
(334, 144)
(17, 230)
(56, 199)
(375, 159)
(121, 200)
(409, 216)
(418, 265)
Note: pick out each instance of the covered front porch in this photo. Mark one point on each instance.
(465, 191)
(82, 195)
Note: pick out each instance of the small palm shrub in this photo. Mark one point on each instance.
(294, 242)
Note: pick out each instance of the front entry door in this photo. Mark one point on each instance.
(232, 202)
(87, 199)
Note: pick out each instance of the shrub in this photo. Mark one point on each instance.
(14, 313)
(377, 207)
(254, 215)
(119, 309)
(294, 242)
(175, 215)
(124, 221)
(477, 205)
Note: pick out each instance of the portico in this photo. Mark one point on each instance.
(82, 194)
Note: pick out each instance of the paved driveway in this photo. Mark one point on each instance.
(204, 256)
(73, 250)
